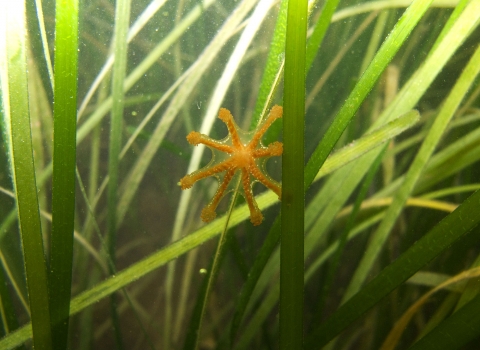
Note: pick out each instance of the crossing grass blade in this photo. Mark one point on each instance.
(122, 21)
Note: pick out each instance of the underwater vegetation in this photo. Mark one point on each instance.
(341, 210)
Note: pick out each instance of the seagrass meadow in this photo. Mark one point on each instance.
(336, 205)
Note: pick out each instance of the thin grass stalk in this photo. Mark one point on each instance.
(43, 36)
(64, 158)
(453, 332)
(85, 323)
(273, 66)
(195, 328)
(370, 6)
(293, 201)
(178, 66)
(17, 121)
(471, 289)
(143, 19)
(7, 310)
(93, 179)
(395, 334)
(122, 18)
(39, 108)
(15, 285)
(338, 57)
(375, 40)
(316, 39)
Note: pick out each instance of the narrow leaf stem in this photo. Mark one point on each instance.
(293, 201)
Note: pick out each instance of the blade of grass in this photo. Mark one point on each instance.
(195, 328)
(38, 48)
(18, 120)
(453, 227)
(122, 20)
(346, 47)
(293, 200)
(370, 6)
(64, 155)
(19, 289)
(7, 310)
(43, 35)
(347, 154)
(401, 324)
(323, 23)
(273, 65)
(375, 40)
(436, 131)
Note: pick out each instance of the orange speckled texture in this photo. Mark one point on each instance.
(241, 157)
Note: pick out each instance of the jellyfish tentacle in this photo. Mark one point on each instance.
(188, 180)
(256, 216)
(257, 173)
(208, 213)
(275, 113)
(195, 138)
(273, 149)
(225, 115)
